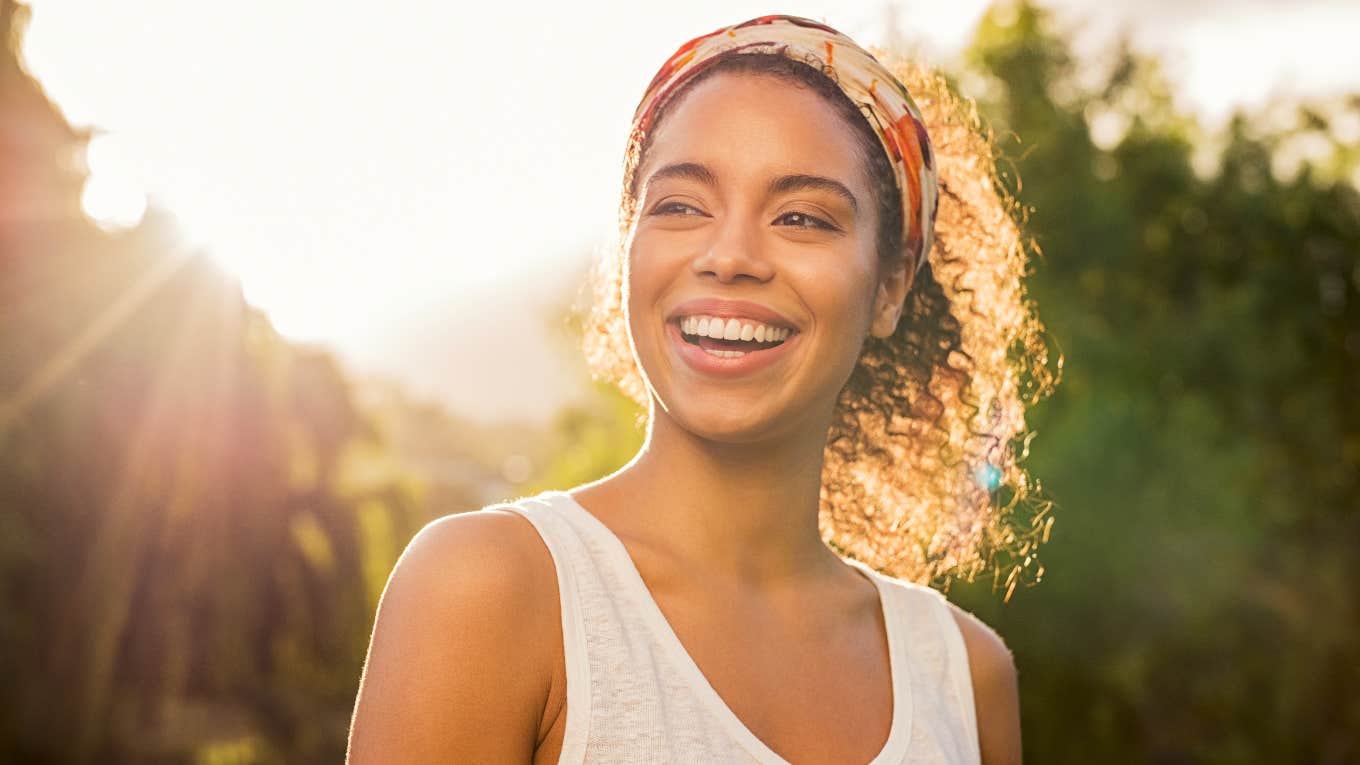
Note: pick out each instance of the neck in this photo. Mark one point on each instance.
(747, 511)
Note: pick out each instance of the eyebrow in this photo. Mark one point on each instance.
(782, 185)
(788, 183)
(687, 170)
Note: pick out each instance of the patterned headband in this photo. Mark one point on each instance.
(883, 100)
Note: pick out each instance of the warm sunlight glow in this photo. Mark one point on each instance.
(112, 196)
(359, 171)
(367, 172)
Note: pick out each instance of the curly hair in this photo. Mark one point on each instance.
(921, 472)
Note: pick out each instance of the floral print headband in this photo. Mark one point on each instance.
(883, 100)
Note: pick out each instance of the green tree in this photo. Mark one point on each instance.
(1202, 449)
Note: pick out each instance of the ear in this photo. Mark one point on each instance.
(892, 292)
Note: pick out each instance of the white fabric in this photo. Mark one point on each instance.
(634, 695)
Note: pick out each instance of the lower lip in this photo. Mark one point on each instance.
(704, 362)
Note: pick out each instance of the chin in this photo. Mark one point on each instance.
(732, 422)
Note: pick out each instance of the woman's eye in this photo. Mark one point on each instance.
(804, 220)
(675, 208)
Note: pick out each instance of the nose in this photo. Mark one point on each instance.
(734, 252)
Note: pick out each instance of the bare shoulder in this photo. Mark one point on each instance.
(487, 568)
(461, 657)
(989, 658)
(489, 555)
(996, 695)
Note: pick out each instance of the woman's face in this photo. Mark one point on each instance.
(756, 220)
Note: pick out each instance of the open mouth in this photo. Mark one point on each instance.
(732, 339)
(729, 348)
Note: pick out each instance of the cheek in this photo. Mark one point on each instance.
(840, 299)
(650, 264)
(645, 276)
(638, 275)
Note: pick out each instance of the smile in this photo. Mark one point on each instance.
(743, 330)
(728, 347)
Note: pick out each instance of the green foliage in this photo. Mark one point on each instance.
(591, 440)
(1202, 449)
(594, 436)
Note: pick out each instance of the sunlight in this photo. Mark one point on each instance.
(112, 198)
(369, 174)
(123, 531)
(65, 358)
(355, 195)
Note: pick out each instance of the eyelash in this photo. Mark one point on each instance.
(667, 208)
(671, 208)
(817, 223)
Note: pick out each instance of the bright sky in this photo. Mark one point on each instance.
(360, 166)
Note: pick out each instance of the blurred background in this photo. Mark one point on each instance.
(281, 282)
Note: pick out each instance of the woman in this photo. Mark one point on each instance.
(716, 599)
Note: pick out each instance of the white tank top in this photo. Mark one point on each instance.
(634, 694)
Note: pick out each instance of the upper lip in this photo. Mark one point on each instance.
(731, 309)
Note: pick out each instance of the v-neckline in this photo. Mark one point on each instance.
(894, 747)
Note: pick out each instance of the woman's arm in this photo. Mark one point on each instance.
(460, 662)
(996, 694)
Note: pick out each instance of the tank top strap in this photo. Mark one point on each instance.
(940, 663)
(572, 564)
(960, 672)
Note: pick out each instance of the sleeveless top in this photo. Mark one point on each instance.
(634, 694)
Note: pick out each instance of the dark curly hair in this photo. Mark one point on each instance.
(921, 474)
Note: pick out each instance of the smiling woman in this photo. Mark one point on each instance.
(827, 374)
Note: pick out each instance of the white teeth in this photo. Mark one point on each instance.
(725, 354)
(732, 329)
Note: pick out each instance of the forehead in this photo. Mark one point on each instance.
(754, 123)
